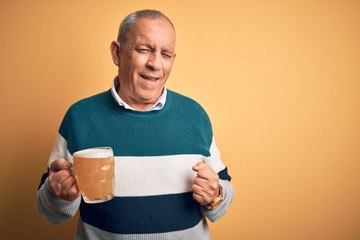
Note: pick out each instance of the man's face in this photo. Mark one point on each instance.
(145, 61)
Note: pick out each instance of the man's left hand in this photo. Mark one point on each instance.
(206, 185)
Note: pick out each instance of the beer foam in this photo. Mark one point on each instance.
(101, 152)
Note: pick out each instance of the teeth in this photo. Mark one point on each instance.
(149, 78)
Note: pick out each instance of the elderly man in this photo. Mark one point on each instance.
(169, 175)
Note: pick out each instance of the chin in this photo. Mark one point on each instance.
(149, 97)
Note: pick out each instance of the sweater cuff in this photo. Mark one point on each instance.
(54, 209)
(228, 193)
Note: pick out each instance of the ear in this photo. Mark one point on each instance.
(115, 52)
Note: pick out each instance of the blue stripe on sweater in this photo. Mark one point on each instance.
(224, 175)
(139, 215)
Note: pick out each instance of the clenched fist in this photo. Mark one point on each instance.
(206, 185)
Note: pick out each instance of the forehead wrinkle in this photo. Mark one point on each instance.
(157, 28)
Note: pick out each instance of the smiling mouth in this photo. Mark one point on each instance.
(148, 77)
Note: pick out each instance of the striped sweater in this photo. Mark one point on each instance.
(154, 154)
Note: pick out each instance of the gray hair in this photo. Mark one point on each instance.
(131, 19)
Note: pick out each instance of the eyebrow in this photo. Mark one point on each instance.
(148, 45)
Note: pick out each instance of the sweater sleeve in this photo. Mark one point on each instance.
(228, 192)
(52, 208)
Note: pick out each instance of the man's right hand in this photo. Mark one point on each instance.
(62, 181)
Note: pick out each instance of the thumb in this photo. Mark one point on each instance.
(198, 166)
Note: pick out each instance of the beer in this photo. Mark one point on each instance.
(94, 172)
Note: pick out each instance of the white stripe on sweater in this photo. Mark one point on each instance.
(148, 176)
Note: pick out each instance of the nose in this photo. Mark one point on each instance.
(154, 61)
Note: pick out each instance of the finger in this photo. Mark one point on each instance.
(205, 172)
(198, 166)
(199, 190)
(204, 195)
(200, 182)
(60, 164)
(200, 198)
(69, 189)
(57, 179)
(60, 176)
(202, 187)
(68, 183)
(208, 173)
(72, 193)
(205, 188)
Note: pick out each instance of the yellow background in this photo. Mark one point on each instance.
(279, 79)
